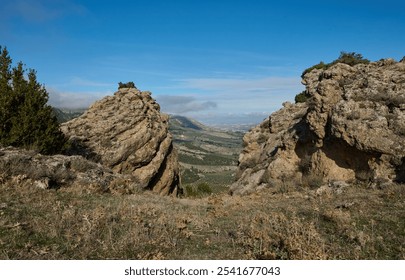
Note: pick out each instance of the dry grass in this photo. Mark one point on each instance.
(72, 223)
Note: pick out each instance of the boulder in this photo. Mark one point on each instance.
(127, 133)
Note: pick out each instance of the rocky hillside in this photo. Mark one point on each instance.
(351, 129)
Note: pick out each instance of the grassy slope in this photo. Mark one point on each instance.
(361, 223)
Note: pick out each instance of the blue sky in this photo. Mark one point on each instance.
(212, 60)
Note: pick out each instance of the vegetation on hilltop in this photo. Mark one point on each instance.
(349, 58)
(25, 118)
(301, 97)
(126, 85)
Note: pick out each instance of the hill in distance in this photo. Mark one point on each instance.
(64, 115)
(207, 155)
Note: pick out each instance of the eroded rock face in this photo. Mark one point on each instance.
(128, 134)
(351, 128)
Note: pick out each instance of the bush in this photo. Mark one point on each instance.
(320, 65)
(126, 85)
(25, 118)
(200, 190)
(312, 181)
(349, 58)
(305, 165)
(302, 97)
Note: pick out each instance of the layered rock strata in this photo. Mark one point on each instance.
(352, 128)
(127, 133)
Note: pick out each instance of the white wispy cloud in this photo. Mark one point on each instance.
(267, 84)
(65, 99)
(41, 10)
(239, 96)
(77, 81)
(177, 104)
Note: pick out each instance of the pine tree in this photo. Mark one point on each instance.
(28, 121)
(5, 94)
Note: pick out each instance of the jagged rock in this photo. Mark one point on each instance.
(42, 183)
(127, 134)
(351, 128)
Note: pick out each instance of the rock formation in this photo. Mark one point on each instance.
(53, 172)
(127, 134)
(351, 128)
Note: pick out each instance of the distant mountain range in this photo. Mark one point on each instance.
(234, 122)
(64, 115)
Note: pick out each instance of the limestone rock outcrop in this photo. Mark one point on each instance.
(127, 133)
(29, 168)
(351, 128)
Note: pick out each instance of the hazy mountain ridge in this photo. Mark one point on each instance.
(64, 115)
